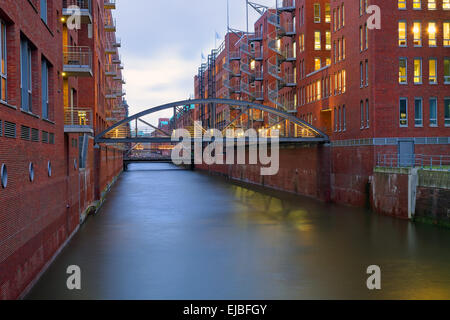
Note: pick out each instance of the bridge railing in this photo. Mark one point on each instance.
(430, 162)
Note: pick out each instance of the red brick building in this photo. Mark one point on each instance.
(376, 92)
(59, 63)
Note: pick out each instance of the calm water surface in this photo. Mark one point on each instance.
(165, 233)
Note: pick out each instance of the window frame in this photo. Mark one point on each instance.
(3, 62)
(405, 124)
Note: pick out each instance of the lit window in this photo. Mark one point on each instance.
(417, 31)
(343, 15)
(328, 61)
(433, 112)
(403, 71)
(433, 71)
(417, 71)
(327, 13)
(317, 63)
(403, 112)
(328, 40)
(446, 4)
(402, 40)
(432, 5)
(316, 12)
(432, 40)
(343, 48)
(3, 71)
(418, 112)
(446, 31)
(361, 39)
(417, 4)
(402, 4)
(317, 42)
(344, 81)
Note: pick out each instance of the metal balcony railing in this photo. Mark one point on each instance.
(285, 5)
(274, 70)
(290, 80)
(110, 24)
(78, 117)
(235, 55)
(83, 7)
(429, 162)
(109, 4)
(77, 60)
(110, 70)
(82, 4)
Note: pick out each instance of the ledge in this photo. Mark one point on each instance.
(3, 103)
(30, 114)
(49, 121)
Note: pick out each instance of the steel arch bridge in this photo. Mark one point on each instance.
(246, 115)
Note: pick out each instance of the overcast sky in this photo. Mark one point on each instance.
(162, 42)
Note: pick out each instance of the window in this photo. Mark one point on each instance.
(418, 112)
(361, 71)
(432, 71)
(45, 88)
(446, 4)
(417, 4)
(3, 70)
(367, 114)
(344, 120)
(362, 114)
(316, 12)
(403, 112)
(317, 42)
(432, 5)
(432, 40)
(44, 10)
(317, 63)
(343, 48)
(328, 40)
(361, 39)
(402, 39)
(433, 112)
(327, 13)
(403, 71)
(25, 73)
(366, 36)
(446, 34)
(367, 73)
(402, 4)
(343, 15)
(344, 81)
(360, 7)
(447, 70)
(340, 119)
(417, 71)
(417, 31)
(447, 111)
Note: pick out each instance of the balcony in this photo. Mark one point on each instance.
(286, 5)
(71, 7)
(78, 120)
(116, 60)
(110, 4)
(235, 55)
(110, 24)
(77, 61)
(110, 70)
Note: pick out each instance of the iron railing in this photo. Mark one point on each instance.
(78, 56)
(80, 117)
(431, 162)
(82, 4)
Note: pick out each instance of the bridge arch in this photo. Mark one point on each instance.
(317, 134)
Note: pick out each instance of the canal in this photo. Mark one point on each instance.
(165, 233)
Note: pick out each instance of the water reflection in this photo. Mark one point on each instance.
(166, 234)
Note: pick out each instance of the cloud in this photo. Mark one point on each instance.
(165, 77)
